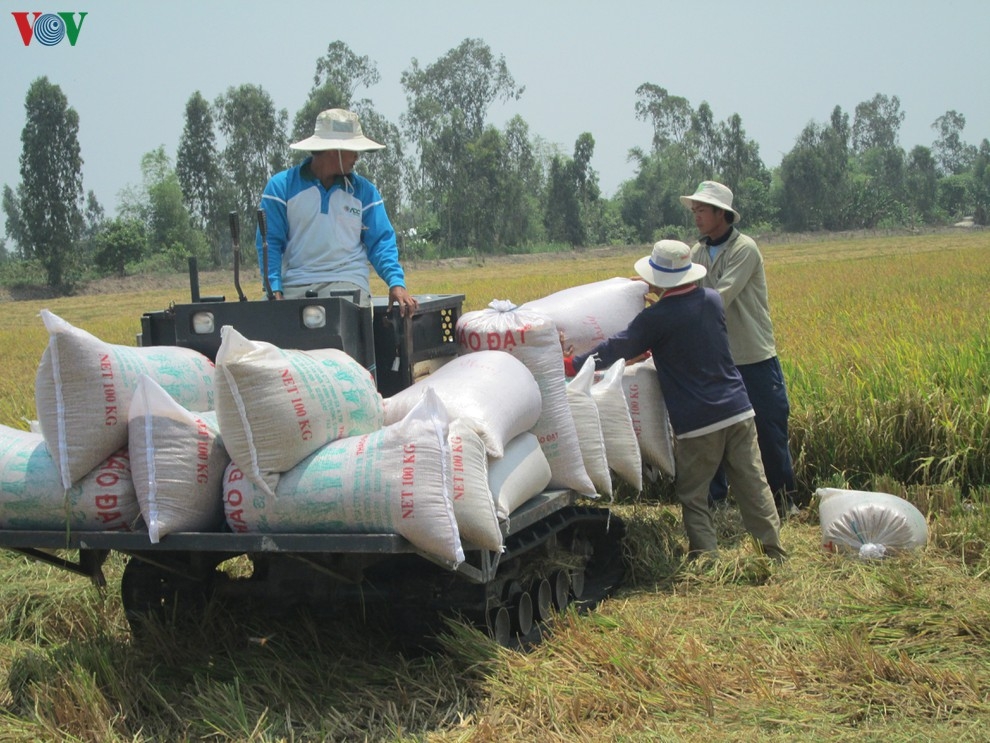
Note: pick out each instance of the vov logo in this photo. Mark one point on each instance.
(49, 28)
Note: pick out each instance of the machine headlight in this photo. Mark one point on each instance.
(203, 323)
(314, 316)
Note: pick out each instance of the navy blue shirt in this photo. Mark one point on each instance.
(690, 345)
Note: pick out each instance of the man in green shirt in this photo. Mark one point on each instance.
(735, 270)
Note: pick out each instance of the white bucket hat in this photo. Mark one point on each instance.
(669, 265)
(711, 192)
(337, 129)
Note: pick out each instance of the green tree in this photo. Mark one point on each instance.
(94, 218)
(649, 203)
(49, 197)
(448, 103)
(120, 242)
(877, 124)
(921, 184)
(197, 166)
(523, 188)
(981, 184)
(563, 214)
(815, 177)
(255, 144)
(669, 115)
(340, 73)
(159, 205)
(704, 143)
(951, 153)
(12, 221)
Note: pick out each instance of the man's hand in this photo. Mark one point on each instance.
(397, 295)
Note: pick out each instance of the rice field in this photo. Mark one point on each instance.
(884, 345)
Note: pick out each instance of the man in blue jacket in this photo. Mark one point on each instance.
(706, 399)
(326, 222)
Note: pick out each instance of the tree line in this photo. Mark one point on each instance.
(455, 183)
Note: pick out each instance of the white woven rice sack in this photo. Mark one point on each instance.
(590, 313)
(474, 506)
(621, 444)
(178, 461)
(32, 496)
(520, 474)
(395, 480)
(589, 428)
(277, 406)
(869, 524)
(648, 411)
(492, 389)
(84, 386)
(533, 339)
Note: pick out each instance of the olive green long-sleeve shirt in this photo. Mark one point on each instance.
(737, 275)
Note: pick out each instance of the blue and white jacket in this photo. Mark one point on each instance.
(317, 234)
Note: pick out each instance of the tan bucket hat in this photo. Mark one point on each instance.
(714, 193)
(669, 265)
(337, 129)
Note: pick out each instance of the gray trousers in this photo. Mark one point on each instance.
(698, 458)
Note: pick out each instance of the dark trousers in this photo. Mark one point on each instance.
(768, 395)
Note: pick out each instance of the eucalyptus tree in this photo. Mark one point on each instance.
(524, 186)
(921, 185)
(48, 202)
(951, 153)
(448, 104)
(339, 75)
(704, 143)
(12, 222)
(670, 115)
(254, 142)
(877, 124)
(197, 166)
(815, 177)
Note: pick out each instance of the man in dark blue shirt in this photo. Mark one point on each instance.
(709, 409)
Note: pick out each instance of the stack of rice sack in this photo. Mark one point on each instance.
(533, 339)
(492, 400)
(311, 453)
(77, 472)
(586, 315)
(632, 434)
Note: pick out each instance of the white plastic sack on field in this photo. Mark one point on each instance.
(277, 406)
(648, 411)
(621, 445)
(520, 474)
(395, 480)
(533, 339)
(494, 390)
(591, 313)
(869, 524)
(32, 496)
(474, 506)
(589, 427)
(84, 386)
(178, 461)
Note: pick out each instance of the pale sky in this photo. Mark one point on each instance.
(778, 64)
